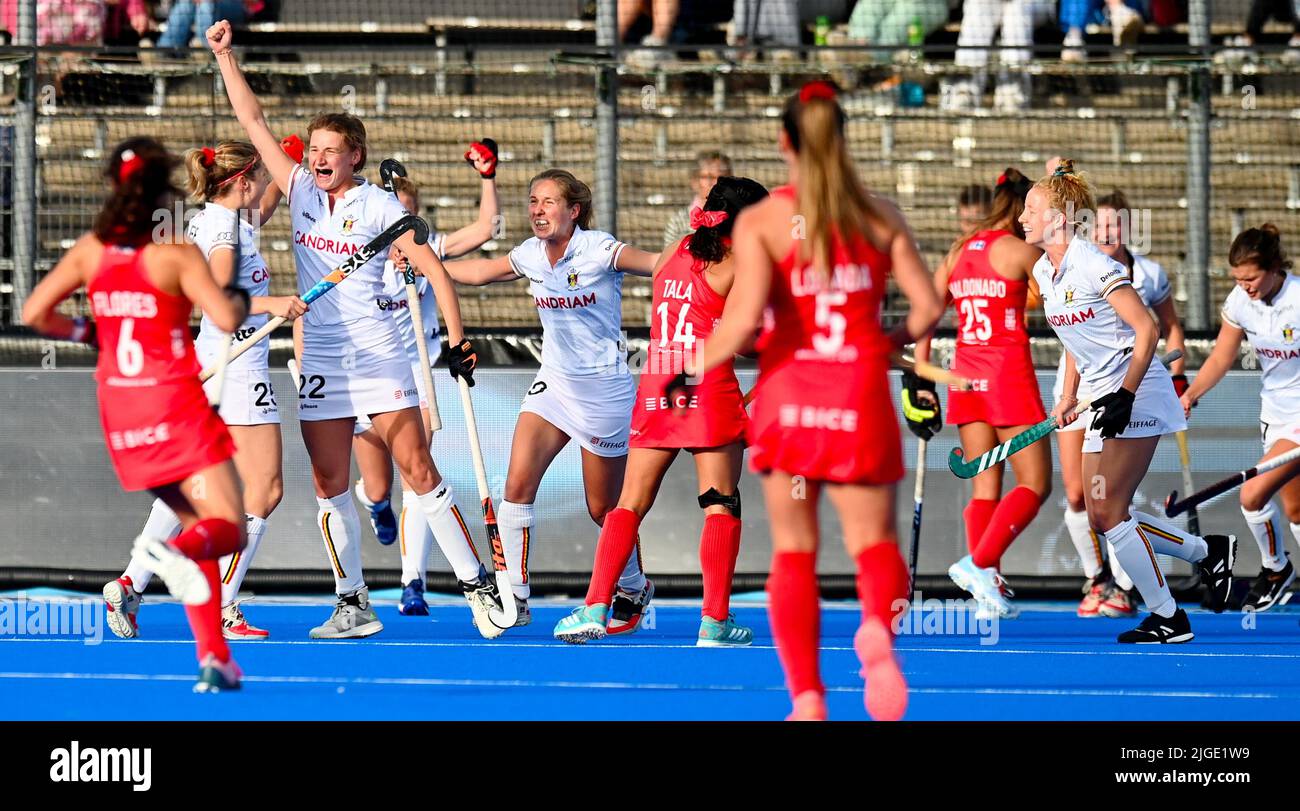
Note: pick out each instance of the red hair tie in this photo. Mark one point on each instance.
(209, 157)
(817, 90)
(706, 219)
(130, 166)
(1002, 178)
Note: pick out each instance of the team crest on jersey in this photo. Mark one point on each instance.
(348, 222)
(1069, 297)
(977, 245)
(1288, 334)
(572, 279)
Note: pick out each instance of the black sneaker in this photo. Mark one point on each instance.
(1268, 587)
(1216, 569)
(1156, 629)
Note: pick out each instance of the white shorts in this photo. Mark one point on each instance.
(594, 411)
(349, 373)
(1270, 433)
(247, 397)
(1156, 412)
(363, 421)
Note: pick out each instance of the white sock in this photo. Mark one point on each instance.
(415, 539)
(232, 576)
(450, 531)
(633, 578)
(1085, 542)
(162, 524)
(1117, 571)
(340, 529)
(1134, 550)
(1295, 532)
(1168, 539)
(1267, 529)
(515, 521)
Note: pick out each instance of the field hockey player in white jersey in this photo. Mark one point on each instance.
(1111, 340)
(1109, 590)
(228, 179)
(1264, 309)
(353, 362)
(584, 390)
(374, 462)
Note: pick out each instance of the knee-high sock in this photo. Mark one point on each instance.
(205, 619)
(1168, 539)
(1267, 529)
(794, 611)
(161, 524)
(1014, 512)
(340, 529)
(1133, 548)
(719, 546)
(209, 539)
(450, 531)
(515, 522)
(415, 539)
(1117, 570)
(617, 542)
(233, 568)
(632, 580)
(882, 582)
(1086, 543)
(976, 518)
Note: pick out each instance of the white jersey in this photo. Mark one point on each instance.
(1074, 300)
(394, 303)
(580, 303)
(213, 228)
(323, 239)
(1274, 331)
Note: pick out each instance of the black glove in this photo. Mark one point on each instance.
(84, 331)
(462, 360)
(1180, 384)
(676, 386)
(1113, 412)
(237, 293)
(924, 419)
(485, 150)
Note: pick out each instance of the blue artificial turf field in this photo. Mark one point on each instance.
(1047, 664)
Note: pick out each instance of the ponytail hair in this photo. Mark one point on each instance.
(830, 196)
(1008, 202)
(730, 195)
(209, 170)
(1262, 247)
(1069, 192)
(576, 193)
(139, 183)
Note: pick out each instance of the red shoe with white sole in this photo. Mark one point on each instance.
(235, 628)
(122, 602)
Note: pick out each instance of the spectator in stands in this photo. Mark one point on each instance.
(127, 21)
(1125, 24)
(778, 22)
(709, 166)
(973, 204)
(981, 21)
(1285, 11)
(190, 18)
(889, 22)
(663, 17)
(61, 22)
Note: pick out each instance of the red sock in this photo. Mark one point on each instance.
(795, 613)
(976, 517)
(719, 546)
(882, 582)
(205, 620)
(210, 539)
(1013, 514)
(617, 539)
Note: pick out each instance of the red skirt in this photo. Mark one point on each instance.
(827, 422)
(161, 435)
(1006, 389)
(711, 417)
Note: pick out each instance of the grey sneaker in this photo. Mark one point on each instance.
(184, 578)
(481, 594)
(525, 615)
(353, 618)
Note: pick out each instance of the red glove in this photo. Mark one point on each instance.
(486, 151)
(293, 147)
(1180, 384)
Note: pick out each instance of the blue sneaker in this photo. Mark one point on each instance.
(413, 604)
(586, 622)
(714, 634)
(382, 520)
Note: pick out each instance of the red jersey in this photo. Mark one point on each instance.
(990, 307)
(144, 333)
(166, 431)
(685, 310)
(823, 408)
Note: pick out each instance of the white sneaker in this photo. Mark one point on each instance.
(184, 578)
(982, 585)
(484, 600)
(645, 59)
(123, 603)
(1125, 25)
(958, 96)
(1010, 96)
(353, 618)
(1072, 49)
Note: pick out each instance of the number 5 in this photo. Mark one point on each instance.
(834, 323)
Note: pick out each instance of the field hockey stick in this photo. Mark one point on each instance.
(389, 169)
(363, 255)
(505, 618)
(918, 495)
(296, 379)
(1185, 459)
(1175, 507)
(223, 359)
(969, 470)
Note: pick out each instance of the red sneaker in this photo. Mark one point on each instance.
(122, 602)
(235, 627)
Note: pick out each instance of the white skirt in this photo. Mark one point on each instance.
(1271, 432)
(596, 412)
(363, 421)
(354, 371)
(1156, 412)
(246, 397)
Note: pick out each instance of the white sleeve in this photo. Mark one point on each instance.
(1103, 275)
(1231, 311)
(1161, 289)
(299, 181)
(607, 248)
(515, 257)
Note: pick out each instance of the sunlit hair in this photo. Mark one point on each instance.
(208, 170)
